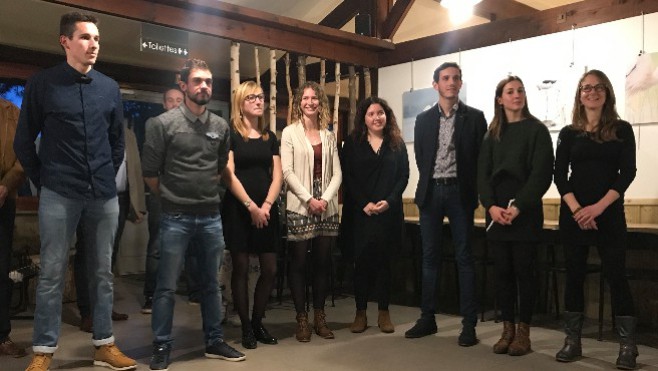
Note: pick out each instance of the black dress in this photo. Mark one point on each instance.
(372, 177)
(253, 167)
(595, 168)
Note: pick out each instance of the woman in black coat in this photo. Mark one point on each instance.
(375, 173)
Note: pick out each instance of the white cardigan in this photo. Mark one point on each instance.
(297, 164)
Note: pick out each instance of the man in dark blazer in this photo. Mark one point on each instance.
(447, 144)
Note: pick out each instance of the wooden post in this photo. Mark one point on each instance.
(352, 98)
(301, 69)
(337, 97)
(257, 65)
(273, 90)
(287, 59)
(235, 68)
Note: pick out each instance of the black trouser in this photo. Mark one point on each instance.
(613, 260)
(372, 266)
(7, 215)
(514, 264)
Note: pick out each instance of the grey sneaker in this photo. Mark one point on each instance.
(221, 350)
(160, 357)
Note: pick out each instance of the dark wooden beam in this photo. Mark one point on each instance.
(342, 14)
(495, 10)
(214, 18)
(580, 14)
(23, 63)
(395, 17)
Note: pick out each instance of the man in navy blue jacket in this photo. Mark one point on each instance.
(78, 113)
(447, 143)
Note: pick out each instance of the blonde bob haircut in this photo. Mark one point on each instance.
(241, 93)
(323, 101)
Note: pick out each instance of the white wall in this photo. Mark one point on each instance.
(611, 47)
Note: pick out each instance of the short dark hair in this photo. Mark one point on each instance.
(67, 22)
(442, 67)
(190, 65)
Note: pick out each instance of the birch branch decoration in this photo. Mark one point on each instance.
(366, 78)
(301, 69)
(257, 63)
(323, 72)
(337, 97)
(287, 59)
(235, 67)
(273, 90)
(352, 97)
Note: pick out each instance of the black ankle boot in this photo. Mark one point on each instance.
(573, 326)
(627, 347)
(248, 338)
(261, 334)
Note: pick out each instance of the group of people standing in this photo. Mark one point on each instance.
(189, 150)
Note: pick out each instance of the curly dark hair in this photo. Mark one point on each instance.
(392, 134)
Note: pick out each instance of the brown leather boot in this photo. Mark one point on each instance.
(320, 325)
(303, 333)
(384, 322)
(506, 338)
(360, 322)
(521, 344)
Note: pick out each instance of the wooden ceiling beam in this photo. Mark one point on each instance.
(342, 14)
(581, 14)
(495, 10)
(214, 18)
(395, 18)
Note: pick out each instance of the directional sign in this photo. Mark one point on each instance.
(164, 40)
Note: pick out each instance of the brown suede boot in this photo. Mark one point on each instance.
(521, 344)
(384, 322)
(320, 325)
(303, 333)
(360, 322)
(506, 338)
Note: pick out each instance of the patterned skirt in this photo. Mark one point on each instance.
(305, 227)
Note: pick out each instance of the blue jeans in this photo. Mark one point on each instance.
(153, 247)
(58, 219)
(177, 231)
(445, 200)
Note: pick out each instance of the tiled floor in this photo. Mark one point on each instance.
(371, 350)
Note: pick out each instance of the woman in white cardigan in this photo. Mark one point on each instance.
(311, 169)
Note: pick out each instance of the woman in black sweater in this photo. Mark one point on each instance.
(514, 171)
(594, 165)
(375, 173)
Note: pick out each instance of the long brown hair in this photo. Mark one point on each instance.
(606, 130)
(392, 134)
(246, 88)
(500, 118)
(323, 112)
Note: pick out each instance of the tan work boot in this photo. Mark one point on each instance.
(384, 322)
(320, 325)
(110, 356)
(303, 333)
(40, 362)
(360, 322)
(521, 344)
(506, 338)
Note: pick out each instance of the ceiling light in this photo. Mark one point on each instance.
(459, 10)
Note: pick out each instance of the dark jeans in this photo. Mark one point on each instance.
(514, 263)
(613, 260)
(79, 261)
(445, 200)
(7, 215)
(154, 208)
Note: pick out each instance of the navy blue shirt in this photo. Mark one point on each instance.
(80, 119)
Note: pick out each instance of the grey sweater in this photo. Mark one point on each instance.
(188, 154)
